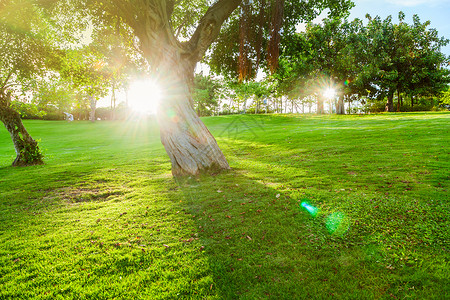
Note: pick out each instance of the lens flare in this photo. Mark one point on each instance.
(329, 93)
(145, 96)
(309, 208)
(337, 223)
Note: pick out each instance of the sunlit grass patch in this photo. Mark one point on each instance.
(353, 207)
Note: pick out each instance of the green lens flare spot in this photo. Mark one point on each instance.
(309, 208)
(337, 223)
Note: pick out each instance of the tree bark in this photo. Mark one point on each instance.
(399, 101)
(340, 109)
(26, 147)
(93, 103)
(320, 109)
(190, 145)
(390, 102)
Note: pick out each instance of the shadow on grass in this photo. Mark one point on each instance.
(261, 244)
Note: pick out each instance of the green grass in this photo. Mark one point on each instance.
(104, 219)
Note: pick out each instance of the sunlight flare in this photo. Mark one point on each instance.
(329, 93)
(144, 96)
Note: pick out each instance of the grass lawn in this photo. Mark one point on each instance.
(104, 219)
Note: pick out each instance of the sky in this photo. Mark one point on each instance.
(436, 11)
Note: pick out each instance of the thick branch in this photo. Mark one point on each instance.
(209, 27)
(3, 85)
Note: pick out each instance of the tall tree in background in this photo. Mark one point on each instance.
(403, 58)
(87, 72)
(379, 60)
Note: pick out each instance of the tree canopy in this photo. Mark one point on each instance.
(376, 60)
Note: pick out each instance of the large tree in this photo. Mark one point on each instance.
(402, 58)
(23, 50)
(174, 36)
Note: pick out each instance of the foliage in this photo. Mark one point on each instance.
(25, 45)
(85, 71)
(27, 110)
(445, 97)
(30, 154)
(405, 58)
(251, 36)
(379, 60)
(205, 95)
(123, 228)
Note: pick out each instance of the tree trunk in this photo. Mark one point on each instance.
(191, 147)
(93, 108)
(26, 147)
(320, 109)
(399, 101)
(113, 102)
(390, 102)
(340, 109)
(349, 106)
(189, 144)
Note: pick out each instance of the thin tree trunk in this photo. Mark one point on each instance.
(113, 102)
(93, 108)
(390, 102)
(26, 147)
(340, 109)
(320, 109)
(349, 106)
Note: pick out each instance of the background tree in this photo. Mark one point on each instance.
(53, 96)
(85, 70)
(23, 51)
(205, 95)
(378, 61)
(252, 36)
(401, 58)
(445, 98)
